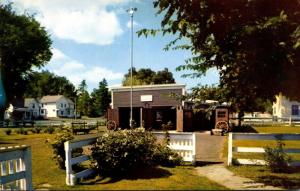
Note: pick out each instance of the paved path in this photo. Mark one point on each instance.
(209, 148)
(209, 151)
(221, 175)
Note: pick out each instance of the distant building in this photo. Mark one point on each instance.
(56, 106)
(285, 108)
(32, 106)
(152, 105)
(46, 107)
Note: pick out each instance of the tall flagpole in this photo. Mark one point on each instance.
(131, 12)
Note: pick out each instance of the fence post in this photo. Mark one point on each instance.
(194, 148)
(70, 178)
(229, 158)
(28, 169)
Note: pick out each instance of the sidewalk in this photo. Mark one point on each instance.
(209, 149)
(221, 175)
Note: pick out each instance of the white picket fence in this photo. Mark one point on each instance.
(183, 143)
(15, 168)
(255, 136)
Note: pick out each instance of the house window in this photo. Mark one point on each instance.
(33, 106)
(61, 112)
(65, 105)
(61, 105)
(295, 109)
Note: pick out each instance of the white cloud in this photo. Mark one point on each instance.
(83, 21)
(75, 71)
(128, 24)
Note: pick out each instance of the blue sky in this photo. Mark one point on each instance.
(91, 40)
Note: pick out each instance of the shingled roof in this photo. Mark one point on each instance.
(50, 98)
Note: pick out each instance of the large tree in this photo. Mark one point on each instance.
(146, 76)
(47, 83)
(100, 99)
(83, 103)
(253, 44)
(23, 44)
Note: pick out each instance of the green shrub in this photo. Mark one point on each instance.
(277, 160)
(36, 130)
(58, 147)
(22, 131)
(118, 152)
(49, 130)
(8, 131)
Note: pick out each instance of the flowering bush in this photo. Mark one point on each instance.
(117, 152)
(58, 147)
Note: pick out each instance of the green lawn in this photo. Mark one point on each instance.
(47, 175)
(261, 173)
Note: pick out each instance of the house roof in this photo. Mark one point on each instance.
(148, 87)
(50, 98)
(27, 101)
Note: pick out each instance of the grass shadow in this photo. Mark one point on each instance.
(206, 163)
(244, 129)
(145, 173)
(281, 181)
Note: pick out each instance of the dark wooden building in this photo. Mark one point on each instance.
(152, 105)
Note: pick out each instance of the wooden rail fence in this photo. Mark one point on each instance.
(15, 168)
(255, 136)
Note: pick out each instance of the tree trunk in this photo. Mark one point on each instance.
(240, 116)
(2, 110)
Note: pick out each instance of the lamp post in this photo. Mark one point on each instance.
(131, 12)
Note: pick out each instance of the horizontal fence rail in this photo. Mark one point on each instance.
(71, 177)
(255, 136)
(272, 121)
(182, 143)
(15, 168)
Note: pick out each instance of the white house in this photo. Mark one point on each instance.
(33, 108)
(285, 108)
(56, 106)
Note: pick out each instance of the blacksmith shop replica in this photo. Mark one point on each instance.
(152, 105)
(155, 105)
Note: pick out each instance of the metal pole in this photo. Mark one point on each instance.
(131, 11)
(75, 109)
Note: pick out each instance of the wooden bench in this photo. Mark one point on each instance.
(81, 127)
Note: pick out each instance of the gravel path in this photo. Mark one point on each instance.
(209, 150)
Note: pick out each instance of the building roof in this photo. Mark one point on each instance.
(27, 101)
(148, 87)
(50, 98)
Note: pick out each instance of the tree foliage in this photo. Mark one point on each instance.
(83, 103)
(146, 76)
(46, 83)
(253, 44)
(100, 99)
(23, 44)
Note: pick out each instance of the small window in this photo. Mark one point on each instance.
(295, 109)
(221, 114)
(61, 105)
(33, 106)
(61, 112)
(65, 105)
